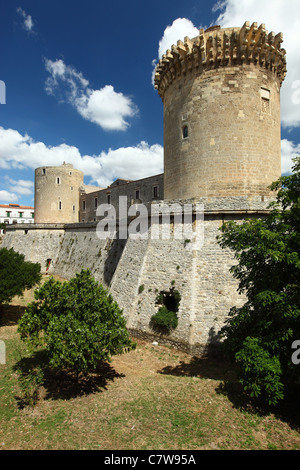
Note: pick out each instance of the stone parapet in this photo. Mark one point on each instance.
(217, 47)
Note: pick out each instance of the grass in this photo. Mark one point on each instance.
(154, 397)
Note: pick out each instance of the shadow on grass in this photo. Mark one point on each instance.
(226, 373)
(57, 384)
(10, 314)
(205, 368)
(287, 410)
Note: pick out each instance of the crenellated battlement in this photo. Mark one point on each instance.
(217, 47)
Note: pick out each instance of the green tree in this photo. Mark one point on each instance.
(77, 322)
(260, 333)
(16, 274)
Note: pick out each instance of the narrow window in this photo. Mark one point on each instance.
(73, 208)
(108, 199)
(155, 192)
(185, 132)
(83, 205)
(44, 171)
(96, 202)
(58, 180)
(137, 194)
(59, 205)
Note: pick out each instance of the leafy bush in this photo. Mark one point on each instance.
(16, 274)
(77, 322)
(165, 319)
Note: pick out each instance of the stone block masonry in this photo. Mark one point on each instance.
(136, 270)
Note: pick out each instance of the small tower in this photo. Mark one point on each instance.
(57, 194)
(221, 96)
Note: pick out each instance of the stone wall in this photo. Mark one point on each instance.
(137, 270)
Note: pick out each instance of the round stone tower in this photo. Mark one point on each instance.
(221, 96)
(57, 194)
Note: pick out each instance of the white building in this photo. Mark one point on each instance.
(16, 214)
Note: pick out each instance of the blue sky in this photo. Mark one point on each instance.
(78, 82)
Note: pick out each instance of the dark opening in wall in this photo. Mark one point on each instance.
(166, 318)
(185, 132)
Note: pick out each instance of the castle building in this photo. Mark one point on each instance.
(142, 191)
(56, 196)
(221, 98)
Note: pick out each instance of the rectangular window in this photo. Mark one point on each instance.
(59, 205)
(137, 194)
(96, 202)
(8, 213)
(155, 192)
(73, 208)
(83, 205)
(58, 180)
(20, 214)
(265, 100)
(108, 199)
(32, 215)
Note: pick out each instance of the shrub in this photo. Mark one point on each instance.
(77, 322)
(165, 319)
(259, 335)
(16, 274)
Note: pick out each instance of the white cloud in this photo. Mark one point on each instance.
(105, 107)
(178, 30)
(130, 162)
(23, 187)
(7, 197)
(278, 16)
(289, 150)
(140, 161)
(27, 19)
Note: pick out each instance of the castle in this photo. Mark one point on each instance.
(221, 97)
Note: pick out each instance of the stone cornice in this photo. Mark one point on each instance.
(217, 47)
